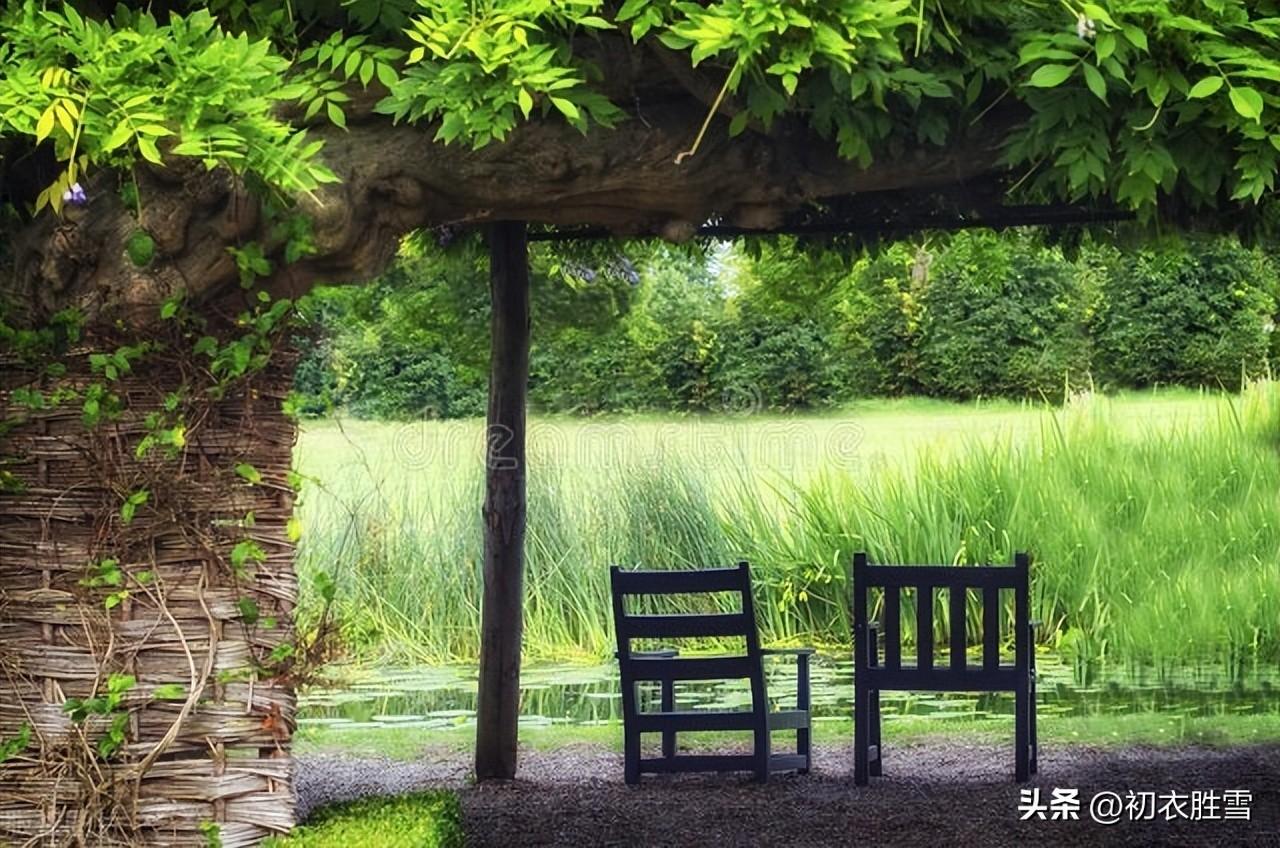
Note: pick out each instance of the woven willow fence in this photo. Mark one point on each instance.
(206, 730)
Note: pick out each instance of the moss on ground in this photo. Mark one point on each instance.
(418, 820)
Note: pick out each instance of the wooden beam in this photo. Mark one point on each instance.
(888, 225)
(501, 622)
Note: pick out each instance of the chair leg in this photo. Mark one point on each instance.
(631, 756)
(1022, 732)
(762, 750)
(804, 742)
(861, 735)
(874, 708)
(1035, 741)
(668, 705)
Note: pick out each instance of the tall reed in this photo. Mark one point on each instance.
(1152, 544)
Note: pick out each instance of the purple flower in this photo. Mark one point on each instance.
(75, 195)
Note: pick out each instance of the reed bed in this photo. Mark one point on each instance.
(1154, 520)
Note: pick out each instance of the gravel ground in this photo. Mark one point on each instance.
(933, 794)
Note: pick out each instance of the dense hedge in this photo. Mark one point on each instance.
(972, 315)
(1197, 315)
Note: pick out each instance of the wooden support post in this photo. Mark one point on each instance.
(501, 616)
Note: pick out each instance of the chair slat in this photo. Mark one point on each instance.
(945, 680)
(924, 626)
(679, 582)
(692, 668)
(892, 627)
(970, 576)
(685, 625)
(956, 597)
(990, 628)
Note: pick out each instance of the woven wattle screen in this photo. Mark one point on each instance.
(205, 726)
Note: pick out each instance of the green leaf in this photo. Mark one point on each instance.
(386, 74)
(1206, 87)
(118, 684)
(325, 586)
(1093, 79)
(1105, 46)
(122, 133)
(293, 529)
(1136, 36)
(141, 247)
(246, 551)
(630, 9)
(249, 473)
(1248, 102)
(1050, 76)
(44, 126)
(11, 748)
(1098, 13)
(147, 147)
(336, 115)
(248, 610)
(170, 692)
(130, 507)
(566, 108)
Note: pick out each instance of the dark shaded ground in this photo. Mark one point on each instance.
(933, 794)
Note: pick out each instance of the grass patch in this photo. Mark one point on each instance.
(1104, 731)
(417, 820)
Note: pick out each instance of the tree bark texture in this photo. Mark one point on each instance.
(501, 617)
(396, 179)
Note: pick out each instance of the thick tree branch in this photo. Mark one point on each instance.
(395, 179)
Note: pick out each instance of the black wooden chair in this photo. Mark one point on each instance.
(871, 676)
(667, 666)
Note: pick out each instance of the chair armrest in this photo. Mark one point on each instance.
(794, 652)
(658, 654)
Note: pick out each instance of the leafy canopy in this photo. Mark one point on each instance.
(1130, 99)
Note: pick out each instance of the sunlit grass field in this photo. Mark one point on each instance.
(1154, 518)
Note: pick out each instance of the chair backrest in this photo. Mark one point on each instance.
(985, 580)
(637, 666)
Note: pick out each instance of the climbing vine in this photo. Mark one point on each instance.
(163, 427)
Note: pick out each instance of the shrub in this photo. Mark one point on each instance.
(1001, 316)
(770, 363)
(1200, 313)
(880, 314)
(586, 372)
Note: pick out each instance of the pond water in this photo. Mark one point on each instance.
(442, 697)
